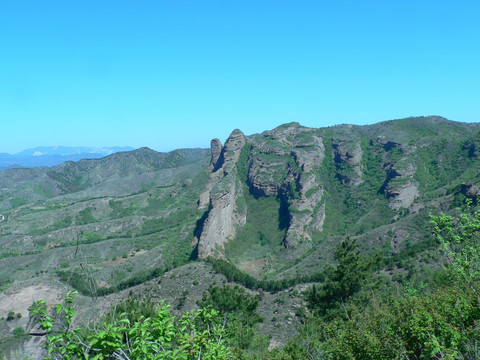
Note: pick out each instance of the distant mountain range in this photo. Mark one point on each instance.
(55, 155)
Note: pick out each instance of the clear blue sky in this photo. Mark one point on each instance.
(172, 74)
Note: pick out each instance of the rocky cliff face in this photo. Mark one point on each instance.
(472, 191)
(221, 217)
(304, 167)
(303, 152)
(348, 153)
(281, 163)
(216, 149)
(399, 186)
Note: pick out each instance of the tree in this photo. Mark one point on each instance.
(342, 282)
(238, 310)
(460, 241)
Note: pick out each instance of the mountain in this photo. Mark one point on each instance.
(292, 192)
(270, 207)
(54, 155)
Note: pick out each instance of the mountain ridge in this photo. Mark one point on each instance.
(273, 205)
(297, 151)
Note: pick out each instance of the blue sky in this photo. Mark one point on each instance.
(173, 74)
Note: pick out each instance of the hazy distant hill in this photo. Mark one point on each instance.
(54, 155)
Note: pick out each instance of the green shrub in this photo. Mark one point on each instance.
(19, 332)
(195, 335)
(85, 216)
(11, 315)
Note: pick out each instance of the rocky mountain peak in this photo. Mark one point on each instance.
(221, 217)
(235, 141)
(216, 150)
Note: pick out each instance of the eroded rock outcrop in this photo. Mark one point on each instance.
(289, 163)
(306, 216)
(472, 191)
(399, 186)
(402, 195)
(349, 153)
(282, 164)
(216, 149)
(387, 145)
(221, 217)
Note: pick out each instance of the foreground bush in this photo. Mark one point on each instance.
(196, 335)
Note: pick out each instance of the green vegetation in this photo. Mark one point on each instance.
(175, 220)
(238, 308)
(85, 216)
(342, 282)
(17, 202)
(460, 241)
(233, 274)
(242, 163)
(5, 284)
(118, 211)
(112, 224)
(440, 323)
(19, 332)
(84, 283)
(345, 322)
(90, 238)
(262, 232)
(195, 335)
(57, 225)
